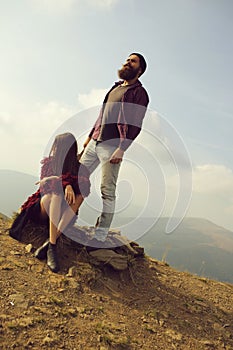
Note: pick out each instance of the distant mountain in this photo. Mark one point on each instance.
(197, 245)
(15, 187)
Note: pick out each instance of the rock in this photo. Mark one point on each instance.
(39, 268)
(74, 284)
(28, 248)
(25, 322)
(174, 335)
(208, 343)
(124, 244)
(12, 252)
(218, 327)
(2, 260)
(109, 257)
(48, 340)
(18, 300)
(72, 271)
(139, 250)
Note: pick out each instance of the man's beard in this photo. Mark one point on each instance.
(128, 73)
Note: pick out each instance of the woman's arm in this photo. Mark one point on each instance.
(43, 181)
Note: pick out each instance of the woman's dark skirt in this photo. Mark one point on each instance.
(33, 214)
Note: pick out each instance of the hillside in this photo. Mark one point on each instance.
(196, 245)
(147, 305)
(21, 186)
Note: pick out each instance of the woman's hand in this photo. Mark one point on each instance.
(69, 195)
(43, 181)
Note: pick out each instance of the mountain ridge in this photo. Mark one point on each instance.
(196, 245)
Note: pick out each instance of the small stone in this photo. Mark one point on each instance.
(226, 325)
(139, 250)
(74, 284)
(47, 340)
(18, 300)
(80, 309)
(28, 248)
(174, 335)
(25, 322)
(217, 327)
(12, 252)
(208, 343)
(37, 268)
(72, 271)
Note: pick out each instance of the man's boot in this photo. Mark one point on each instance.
(41, 252)
(52, 260)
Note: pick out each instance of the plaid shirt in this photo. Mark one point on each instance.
(134, 103)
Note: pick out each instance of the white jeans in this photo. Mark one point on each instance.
(94, 154)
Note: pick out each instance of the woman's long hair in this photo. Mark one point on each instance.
(64, 152)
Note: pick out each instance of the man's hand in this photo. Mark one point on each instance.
(117, 156)
(88, 139)
(86, 142)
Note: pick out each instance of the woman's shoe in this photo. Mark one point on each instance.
(41, 252)
(52, 260)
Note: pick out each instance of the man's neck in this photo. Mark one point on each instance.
(129, 82)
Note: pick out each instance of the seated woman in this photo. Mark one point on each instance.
(64, 183)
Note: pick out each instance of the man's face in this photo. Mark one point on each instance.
(130, 68)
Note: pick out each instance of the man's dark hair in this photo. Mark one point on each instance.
(142, 61)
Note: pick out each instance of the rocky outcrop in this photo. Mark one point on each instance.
(116, 252)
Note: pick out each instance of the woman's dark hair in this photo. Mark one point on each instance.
(64, 152)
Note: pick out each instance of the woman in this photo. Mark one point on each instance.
(64, 182)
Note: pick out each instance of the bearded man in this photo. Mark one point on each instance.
(118, 124)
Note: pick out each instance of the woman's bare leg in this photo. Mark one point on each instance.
(51, 205)
(69, 213)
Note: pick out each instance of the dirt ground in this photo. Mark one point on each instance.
(88, 306)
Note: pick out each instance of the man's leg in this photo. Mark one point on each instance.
(89, 157)
(108, 189)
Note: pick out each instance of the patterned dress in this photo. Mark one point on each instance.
(30, 209)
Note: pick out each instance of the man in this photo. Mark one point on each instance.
(118, 124)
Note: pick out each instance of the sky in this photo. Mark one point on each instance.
(59, 57)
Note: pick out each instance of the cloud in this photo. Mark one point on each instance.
(25, 131)
(26, 126)
(93, 98)
(213, 194)
(102, 3)
(66, 6)
(55, 5)
(213, 179)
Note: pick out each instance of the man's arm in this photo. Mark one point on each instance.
(135, 113)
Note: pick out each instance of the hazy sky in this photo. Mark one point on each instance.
(58, 57)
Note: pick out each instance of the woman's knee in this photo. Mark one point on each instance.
(50, 199)
(57, 196)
